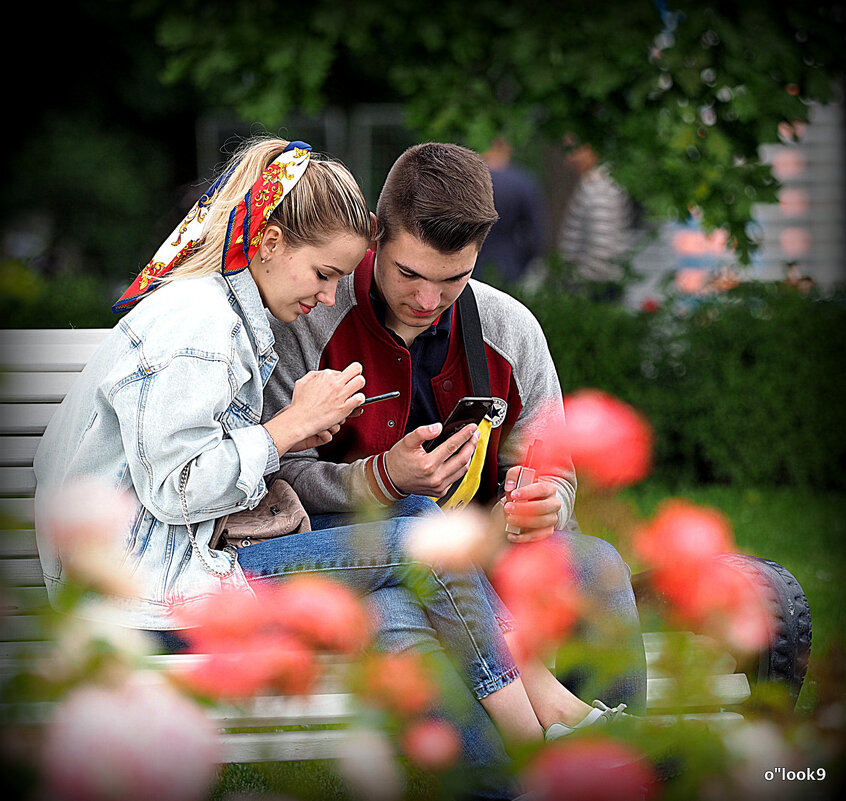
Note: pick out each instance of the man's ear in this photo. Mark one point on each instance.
(374, 227)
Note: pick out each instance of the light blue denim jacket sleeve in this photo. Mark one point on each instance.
(227, 464)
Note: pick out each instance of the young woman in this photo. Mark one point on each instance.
(168, 411)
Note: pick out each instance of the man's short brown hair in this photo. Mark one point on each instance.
(440, 193)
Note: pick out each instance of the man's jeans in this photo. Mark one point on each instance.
(613, 626)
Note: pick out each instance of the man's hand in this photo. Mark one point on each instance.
(532, 508)
(416, 472)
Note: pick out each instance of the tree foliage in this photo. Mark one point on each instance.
(676, 96)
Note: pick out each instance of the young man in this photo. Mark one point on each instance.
(399, 315)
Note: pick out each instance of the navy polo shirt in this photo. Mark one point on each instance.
(428, 353)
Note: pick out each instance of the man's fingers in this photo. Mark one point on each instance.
(532, 535)
(531, 514)
(414, 439)
(456, 442)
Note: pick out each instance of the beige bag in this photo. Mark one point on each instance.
(278, 513)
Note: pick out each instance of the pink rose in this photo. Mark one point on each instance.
(134, 742)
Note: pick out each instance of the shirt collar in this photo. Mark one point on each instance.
(440, 326)
(252, 308)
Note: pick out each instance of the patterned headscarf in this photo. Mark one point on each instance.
(247, 222)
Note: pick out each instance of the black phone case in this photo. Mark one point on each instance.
(466, 411)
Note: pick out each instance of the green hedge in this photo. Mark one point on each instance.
(28, 300)
(745, 387)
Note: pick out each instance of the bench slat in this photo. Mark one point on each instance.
(21, 573)
(60, 357)
(23, 600)
(19, 451)
(16, 337)
(727, 689)
(18, 628)
(20, 510)
(26, 418)
(17, 481)
(283, 746)
(18, 542)
(35, 387)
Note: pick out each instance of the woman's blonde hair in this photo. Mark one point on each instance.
(325, 202)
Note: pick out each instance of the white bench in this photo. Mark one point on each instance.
(37, 367)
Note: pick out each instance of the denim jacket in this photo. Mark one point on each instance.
(177, 381)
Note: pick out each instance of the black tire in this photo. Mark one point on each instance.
(786, 659)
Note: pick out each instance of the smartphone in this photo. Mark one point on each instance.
(377, 398)
(466, 412)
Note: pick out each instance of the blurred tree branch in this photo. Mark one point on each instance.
(676, 96)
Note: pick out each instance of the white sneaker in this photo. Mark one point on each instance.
(599, 714)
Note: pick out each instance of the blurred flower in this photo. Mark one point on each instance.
(89, 636)
(399, 683)
(589, 770)
(536, 583)
(788, 163)
(459, 539)
(682, 533)
(322, 612)
(649, 305)
(262, 664)
(134, 742)
(608, 440)
(756, 747)
(793, 202)
(264, 639)
(319, 610)
(690, 280)
(368, 765)
(432, 744)
(682, 544)
(85, 522)
(795, 241)
(716, 597)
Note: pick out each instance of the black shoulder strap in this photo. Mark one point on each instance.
(474, 346)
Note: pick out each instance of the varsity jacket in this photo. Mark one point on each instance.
(350, 472)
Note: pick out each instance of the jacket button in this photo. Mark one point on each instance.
(447, 386)
(391, 423)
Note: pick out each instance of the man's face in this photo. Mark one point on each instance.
(418, 282)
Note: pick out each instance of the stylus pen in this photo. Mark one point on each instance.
(377, 398)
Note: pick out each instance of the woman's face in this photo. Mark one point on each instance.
(292, 281)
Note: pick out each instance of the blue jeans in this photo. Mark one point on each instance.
(604, 580)
(486, 769)
(370, 557)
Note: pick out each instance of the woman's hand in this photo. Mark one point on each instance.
(322, 400)
(316, 440)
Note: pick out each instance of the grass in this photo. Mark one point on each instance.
(803, 530)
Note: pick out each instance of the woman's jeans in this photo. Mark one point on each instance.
(370, 557)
